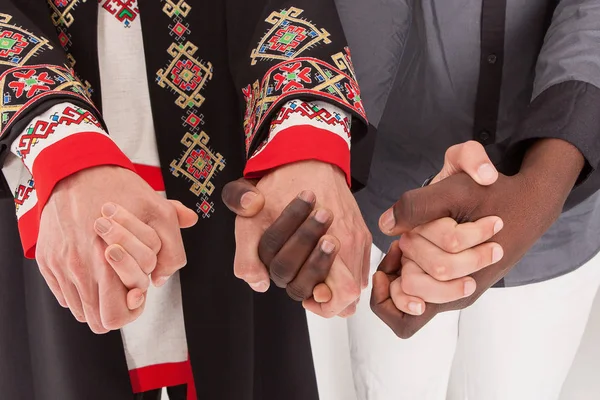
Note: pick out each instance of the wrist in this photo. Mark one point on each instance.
(553, 166)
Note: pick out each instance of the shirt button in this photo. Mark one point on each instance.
(484, 136)
(492, 58)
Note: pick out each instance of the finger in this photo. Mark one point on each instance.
(171, 257)
(133, 224)
(366, 262)
(287, 263)
(344, 291)
(392, 262)
(186, 216)
(315, 270)
(243, 198)
(408, 304)
(322, 293)
(382, 304)
(348, 311)
(455, 197)
(54, 286)
(135, 299)
(469, 157)
(290, 220)
(127, 268)
(112, 294)
(247, 266)
(113, 233)
(453, 237)
(443, 266)
(72, 299)
(415, 282)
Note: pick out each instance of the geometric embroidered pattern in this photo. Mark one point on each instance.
(289, 37)
(20, 87)
(17, 45)
(185, 75)
(176, 8)
(298, 78)
(125, 11)
(61, 11)
(198, 164)
(23, 193)
(312, 112)
(42, 128)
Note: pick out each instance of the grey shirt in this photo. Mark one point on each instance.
(435, 73)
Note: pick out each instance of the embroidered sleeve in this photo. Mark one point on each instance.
(298, 55)
(304, 130)
(58, 143)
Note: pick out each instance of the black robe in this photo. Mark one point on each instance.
(242, 345)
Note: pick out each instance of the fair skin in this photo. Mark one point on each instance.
(103, 259)
(71, 256)
(350, 268)
(459, 248)
(438, 257)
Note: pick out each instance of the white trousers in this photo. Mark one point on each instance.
(512, 344)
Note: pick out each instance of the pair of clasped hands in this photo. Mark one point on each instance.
(315, 244)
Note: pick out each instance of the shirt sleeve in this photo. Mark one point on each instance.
(42, 105)
(304, 130)
(59, 142)
(295, 64)
(566, 93)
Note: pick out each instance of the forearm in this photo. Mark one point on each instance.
(552, 167)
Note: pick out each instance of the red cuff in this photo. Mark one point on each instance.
(300, 143)
(64, 158)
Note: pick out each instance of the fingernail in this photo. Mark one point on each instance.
(469, 288)
(109, 209)
(103, 226)
(388, 221)
(498, 226)
(259, 287)
(486, 172)
(327, 247)
(415, 308)
(247, 200)
(140, 300)
(307, 196)
(322, 216)
(497, 254)
(161, 281)
(116, 254)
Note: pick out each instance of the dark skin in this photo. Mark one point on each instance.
(292, 247)
(528, 203)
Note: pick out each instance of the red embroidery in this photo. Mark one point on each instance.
(44, 128)
(30, 82)
(125, 11)
(293, 77)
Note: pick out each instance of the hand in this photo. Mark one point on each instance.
(528, 204)
(71, 255)
(301, 264)
(132, 252)
(439, 256)
(350, 268)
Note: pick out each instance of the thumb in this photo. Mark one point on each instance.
(243, 198)
(187, 217)
(469, 157)
(453, 197)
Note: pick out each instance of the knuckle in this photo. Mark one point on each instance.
(154, 243)
(115, 322)
(248, 273)
(147, 261)
(279, 272)
(440, 273)
(270, 241)
(409, 285)
(471, 147)
(450, 242)
(306, 236)
(297, 292)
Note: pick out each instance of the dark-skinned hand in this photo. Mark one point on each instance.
(528, 203)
